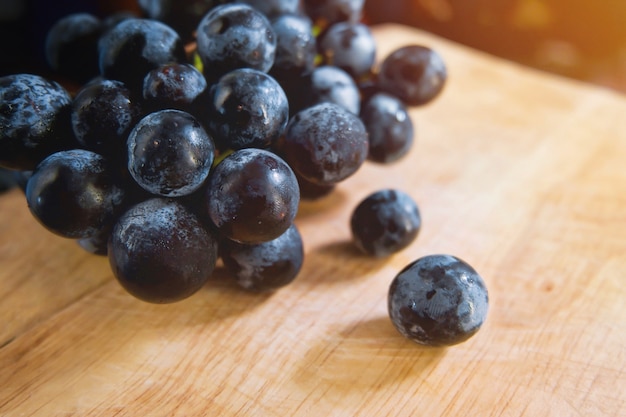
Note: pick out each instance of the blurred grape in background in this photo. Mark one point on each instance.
(580, 39)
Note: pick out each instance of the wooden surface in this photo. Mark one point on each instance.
(518, 173)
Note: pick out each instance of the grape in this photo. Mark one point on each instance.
(385, 222)
(160, 252)
(34, 120)
(71, 46)
(73, 194)
(134, 47)
(330, 84)
(265, 266)
(170, 146)
(173, 86)
(233, 36)
(415, 74)
(325, 143)
(295, 58)
(103, 113)
(389, 126)
(169, 153)
(438, 300)
(250, 109)
(252, 196)
(295, 46)
(349, 46)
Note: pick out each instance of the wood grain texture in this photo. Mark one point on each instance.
(519, 173)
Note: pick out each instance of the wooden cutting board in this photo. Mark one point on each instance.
(519, 173)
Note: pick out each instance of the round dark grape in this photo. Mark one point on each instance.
(132, 48)
(169, 153)
(295, 46)
(34, 120)
(173, 86)
(71, 46)
(103, 113)
(390, 128)
(160, 252)
(74, 194)
(265, 266)
(252, 196)
(438, 300)
(325, 143)
(330, 84)
(415, 74)
(233, 36)
(385, 222)
(349, 46)
(332, 11)
(250, 110)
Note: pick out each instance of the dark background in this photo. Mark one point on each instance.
(24, 24)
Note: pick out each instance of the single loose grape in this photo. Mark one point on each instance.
(415, 74)
(385, 222)
(438, 300)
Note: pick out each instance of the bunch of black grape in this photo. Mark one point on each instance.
(197, 129)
